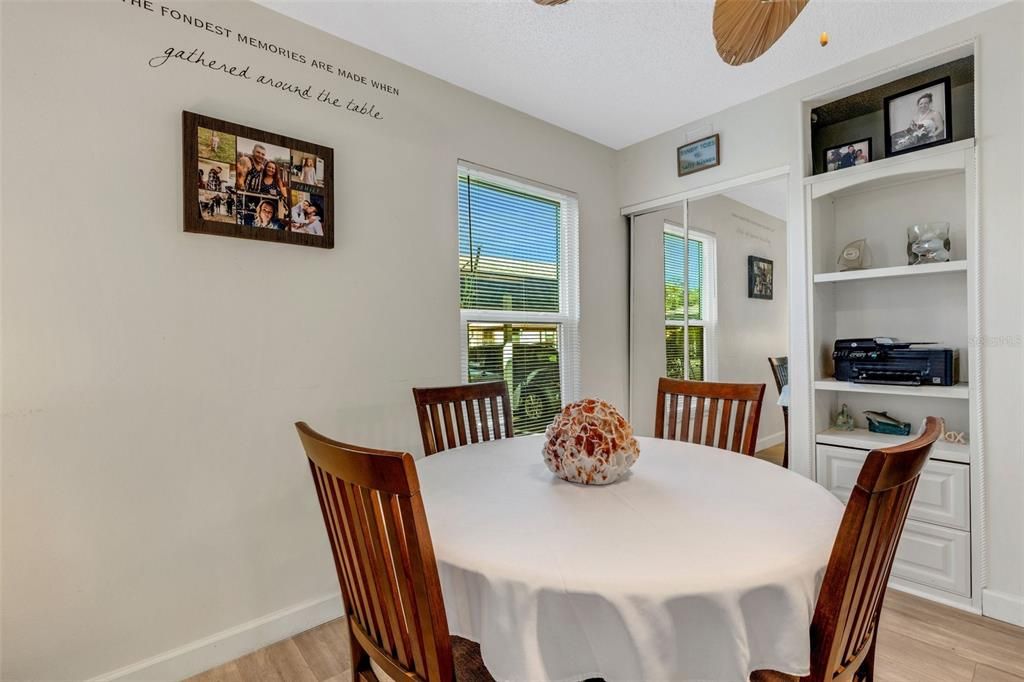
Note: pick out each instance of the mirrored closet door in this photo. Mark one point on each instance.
(709, 296)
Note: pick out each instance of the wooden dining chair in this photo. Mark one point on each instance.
(731, 410)
(448, 414)
(780, 370)
(370, 501)
(845, 625)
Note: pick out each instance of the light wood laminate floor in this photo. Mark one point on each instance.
(773, 454)
(918, 641)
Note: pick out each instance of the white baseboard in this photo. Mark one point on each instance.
(924, 592)
(770, 440)
(1003, 606)
(227, 645)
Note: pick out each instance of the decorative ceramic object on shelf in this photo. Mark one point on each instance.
(928, 243)
(854, 256)
(844, 420)
(590, 442)
(956, 437)
(881, 422)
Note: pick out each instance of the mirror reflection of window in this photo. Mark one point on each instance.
(691, 316)
(690, 302)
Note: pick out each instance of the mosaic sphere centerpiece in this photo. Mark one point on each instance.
(590, 442)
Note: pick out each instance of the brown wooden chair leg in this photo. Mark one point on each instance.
(866, 672)
(360, 660)
(785, 447)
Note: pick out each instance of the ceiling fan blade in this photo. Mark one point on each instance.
(745, 29)
(550, 3)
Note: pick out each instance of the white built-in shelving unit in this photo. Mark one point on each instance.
(956, 392)
(892, 271)
(941, 545)
(867, 440)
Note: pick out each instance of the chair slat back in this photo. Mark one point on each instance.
(451, 416)
(780, 371)
(846, 617)
(725, 416)
(370, 501)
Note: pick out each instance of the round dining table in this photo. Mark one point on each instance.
(699, 564)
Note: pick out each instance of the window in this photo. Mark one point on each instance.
(519, 291)
(690, 304)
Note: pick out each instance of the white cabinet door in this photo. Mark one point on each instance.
(942, 495)
(838, 469)
(935, 556)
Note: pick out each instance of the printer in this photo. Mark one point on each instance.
(884, 360)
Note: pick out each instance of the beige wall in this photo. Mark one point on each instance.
(765, 134)
(748, 330)
(154, 490)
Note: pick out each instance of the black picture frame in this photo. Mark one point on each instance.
(947, 114)
(825, 153)
(222, 207)
(760, 278)
(704, 143)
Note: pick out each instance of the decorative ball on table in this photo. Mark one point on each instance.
(590, 442)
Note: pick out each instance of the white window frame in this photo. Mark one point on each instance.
(568, 316)
(709, 284)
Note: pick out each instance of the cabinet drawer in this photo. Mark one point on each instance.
(935, 556)
(942, 495)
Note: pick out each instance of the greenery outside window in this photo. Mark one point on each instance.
(691, 304)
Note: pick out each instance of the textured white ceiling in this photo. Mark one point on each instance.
(615, 71)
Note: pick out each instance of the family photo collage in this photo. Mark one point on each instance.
(257, 184)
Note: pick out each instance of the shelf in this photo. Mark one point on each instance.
(895, 271)
(866, 440)
(958, 391)
(931, 162)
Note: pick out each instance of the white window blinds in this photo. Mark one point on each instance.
(518, 291)
(689, 304)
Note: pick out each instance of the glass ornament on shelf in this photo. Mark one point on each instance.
(928, 243)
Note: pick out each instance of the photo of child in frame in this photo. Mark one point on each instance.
(307, 169)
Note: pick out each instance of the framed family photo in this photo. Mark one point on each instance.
(847, 155)
(760, 278)
(243, 182)
(918, 118)
(698, 155)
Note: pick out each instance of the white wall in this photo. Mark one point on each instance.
(154, 490)
(765, 133)
(748, 330)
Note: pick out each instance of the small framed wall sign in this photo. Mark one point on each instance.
(760, 282)
(918, 118)
(249, 183)
(699, 155)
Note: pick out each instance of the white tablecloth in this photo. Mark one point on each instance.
(702, 564)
